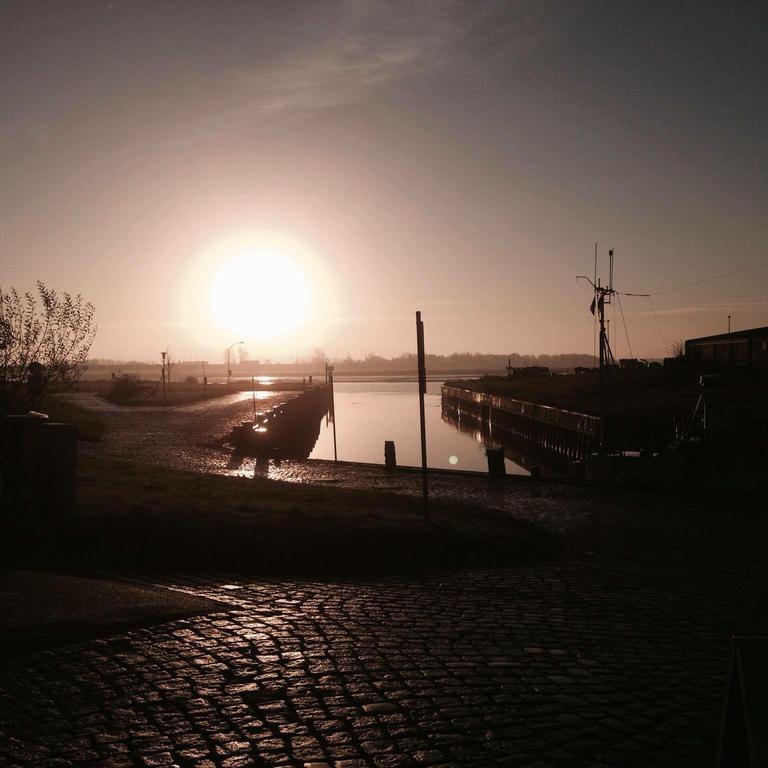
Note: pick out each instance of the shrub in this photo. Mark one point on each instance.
(128, 386)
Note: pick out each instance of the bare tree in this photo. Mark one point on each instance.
(677, 348)
(318, 356)
(44, 340)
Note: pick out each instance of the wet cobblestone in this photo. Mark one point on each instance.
(613, 654)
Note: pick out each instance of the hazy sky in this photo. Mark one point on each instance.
(461, 158)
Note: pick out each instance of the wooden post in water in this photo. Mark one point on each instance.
(422, 392)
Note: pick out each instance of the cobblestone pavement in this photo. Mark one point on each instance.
(182, 436)
(612, 654)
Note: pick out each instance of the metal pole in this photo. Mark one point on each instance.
(729, 323)
(422, 420)
(601, 383)
(253, 394)
(333, 414)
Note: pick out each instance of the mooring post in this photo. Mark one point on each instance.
(422, 392)
(390, 460)
(496, 466)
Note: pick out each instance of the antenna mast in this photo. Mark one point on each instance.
(603, 296)
(594, 322)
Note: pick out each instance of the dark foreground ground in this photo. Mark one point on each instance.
(613, 653)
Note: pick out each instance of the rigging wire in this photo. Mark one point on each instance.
(658, 324)
(710, 279)
(624, 323)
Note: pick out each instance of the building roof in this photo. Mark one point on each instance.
(734, 335)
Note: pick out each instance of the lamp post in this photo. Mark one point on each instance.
(229, 367)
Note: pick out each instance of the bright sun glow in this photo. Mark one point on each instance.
(259, 294)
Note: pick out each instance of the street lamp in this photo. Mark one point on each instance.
(229, 367)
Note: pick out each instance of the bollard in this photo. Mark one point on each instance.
(56, 469)
(20, 463)
(390, 460)
(495, 458)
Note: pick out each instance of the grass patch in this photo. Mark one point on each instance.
(89, 424)
(137, 517)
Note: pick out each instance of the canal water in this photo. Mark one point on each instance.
(369, 413)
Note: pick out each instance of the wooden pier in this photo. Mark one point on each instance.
(562, 436)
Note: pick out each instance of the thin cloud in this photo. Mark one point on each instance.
(374, 45)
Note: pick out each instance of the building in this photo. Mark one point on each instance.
(740, 349)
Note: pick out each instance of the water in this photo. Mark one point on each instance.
(371, 412)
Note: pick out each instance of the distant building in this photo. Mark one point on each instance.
(632, 363)
(740, 349)
(529, 371)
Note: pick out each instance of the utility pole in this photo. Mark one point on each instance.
(422, 419)
(163, 354)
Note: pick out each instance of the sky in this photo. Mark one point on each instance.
(458, 158)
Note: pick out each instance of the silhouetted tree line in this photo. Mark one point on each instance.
(458, 361)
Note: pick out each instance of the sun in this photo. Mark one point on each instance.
(259, 293)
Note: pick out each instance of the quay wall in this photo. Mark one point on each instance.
(288, 430)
